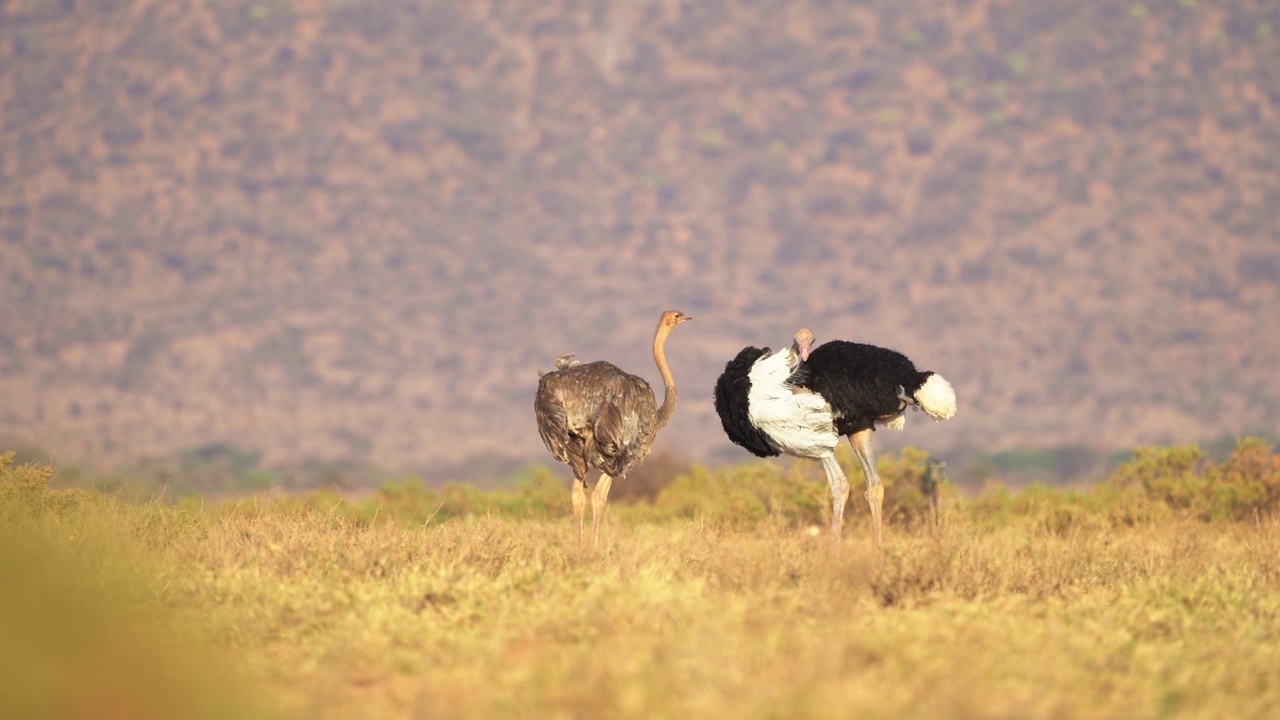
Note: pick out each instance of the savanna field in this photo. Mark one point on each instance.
(1152, 593)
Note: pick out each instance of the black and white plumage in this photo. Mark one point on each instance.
(800, 402)
(597, 416)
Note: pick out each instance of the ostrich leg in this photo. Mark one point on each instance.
(599, 498)
(861, 442)
(839, 493)
(579, 494)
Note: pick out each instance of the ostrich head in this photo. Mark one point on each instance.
(801, 345)
(672, 318)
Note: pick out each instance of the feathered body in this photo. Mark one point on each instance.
(761, 410)
(800, 402)
(597, 416)
(868, 385)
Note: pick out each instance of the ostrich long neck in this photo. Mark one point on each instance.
(668, 407)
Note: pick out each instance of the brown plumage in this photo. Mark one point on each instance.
(597, 416)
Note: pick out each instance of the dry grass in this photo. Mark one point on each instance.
(483, 617)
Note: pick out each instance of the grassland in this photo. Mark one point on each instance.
(1135, 599)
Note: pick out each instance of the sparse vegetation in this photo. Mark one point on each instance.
(472, 604)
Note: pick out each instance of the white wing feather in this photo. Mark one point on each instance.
(798, 422)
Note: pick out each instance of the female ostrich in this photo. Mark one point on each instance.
(801, 402)
(597, 416)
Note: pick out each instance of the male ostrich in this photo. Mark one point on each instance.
(800, 402)
(597, 416)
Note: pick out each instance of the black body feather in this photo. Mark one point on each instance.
(732, 405)
(859, 381)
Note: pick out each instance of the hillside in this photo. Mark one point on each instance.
(355, 230)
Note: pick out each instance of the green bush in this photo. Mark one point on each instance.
(1154, 485)
(538, 498)
(409, 502)
(742, 498)
(1045, 509)
(1060, 511)
(1171, 475)
(1245, 485)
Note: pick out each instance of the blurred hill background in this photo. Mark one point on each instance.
(348, 233)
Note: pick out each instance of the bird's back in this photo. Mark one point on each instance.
(598, 412)
(860, 381)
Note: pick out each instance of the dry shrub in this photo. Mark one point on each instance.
(795, 493)
(744, 498)
(1247, 484)
(645, 482)
(410, 503)
(1173, 476)
(1157, 485)
(25, 489)
(905, 503)
(1049, 510)
(1244, 486)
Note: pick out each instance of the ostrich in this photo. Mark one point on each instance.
(935, 473)
(800, 402)
(597, 416)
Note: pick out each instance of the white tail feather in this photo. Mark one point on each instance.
(937, 398)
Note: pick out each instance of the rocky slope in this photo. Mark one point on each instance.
(354, 230)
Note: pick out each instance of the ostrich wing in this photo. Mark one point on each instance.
(798, 422)
(857, 378)
(553, 420)
(623, 428)
(596, 412)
